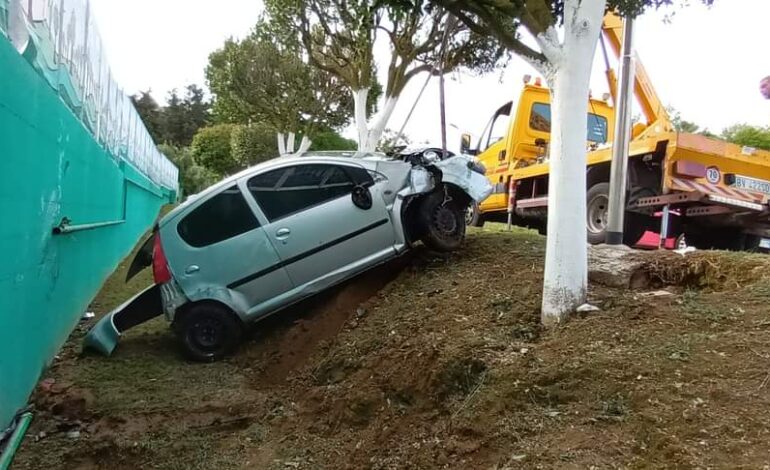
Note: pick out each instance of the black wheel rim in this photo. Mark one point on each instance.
(208, 334)
(445, 222)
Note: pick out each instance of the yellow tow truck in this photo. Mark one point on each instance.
(719, 191)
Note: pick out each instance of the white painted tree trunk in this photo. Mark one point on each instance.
(369, 135)
(281, 144)
(286, 146)
(568, 74)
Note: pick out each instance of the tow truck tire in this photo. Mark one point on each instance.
(597, 210)
(473, 216)
(209, 331)
(444, 222)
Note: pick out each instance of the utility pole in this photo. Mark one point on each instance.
(449, 24)
(617, 203)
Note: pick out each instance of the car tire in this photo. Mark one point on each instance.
(444, 222)
(473, 216)
(209, 332)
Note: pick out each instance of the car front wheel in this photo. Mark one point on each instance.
(209, 332)
(444, 220)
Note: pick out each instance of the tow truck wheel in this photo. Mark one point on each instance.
(444, 222)
(209, 332)
(473, 216)
(597, 216)
(597, 211)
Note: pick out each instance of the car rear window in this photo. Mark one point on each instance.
(286, 191)
(221, 217)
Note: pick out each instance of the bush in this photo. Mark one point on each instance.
(330, 140)
(211, 148)
(752, 136)
(252, 144)
(192, 176)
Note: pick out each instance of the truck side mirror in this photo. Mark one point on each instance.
(465, 144)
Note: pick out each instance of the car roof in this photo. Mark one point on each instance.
(344, 157)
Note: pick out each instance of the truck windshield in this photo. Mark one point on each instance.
(540, 120)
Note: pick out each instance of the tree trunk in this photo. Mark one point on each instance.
(359, 115)
(286, 146)
(368, 138)
(304, 145)
(281, 144)
(565, 281)
(375, 133)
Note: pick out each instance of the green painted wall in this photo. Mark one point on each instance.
(51, 167)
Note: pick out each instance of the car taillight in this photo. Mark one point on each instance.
(160, 271)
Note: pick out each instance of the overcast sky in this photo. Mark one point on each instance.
(706, 62)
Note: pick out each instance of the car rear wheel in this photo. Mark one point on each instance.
(444, 222)
(209, 332)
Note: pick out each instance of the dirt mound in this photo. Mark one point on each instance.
(447, 367)
(286, 341)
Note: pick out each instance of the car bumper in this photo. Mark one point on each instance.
(105, 334)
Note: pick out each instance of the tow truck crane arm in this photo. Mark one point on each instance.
(652, 108)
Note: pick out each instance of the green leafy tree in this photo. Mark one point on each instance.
(211, 148)
(263, 79)
(192, 177)
(150, 113)
(681, 125)
(252, 144)
(183, 115)
(751, 136)
(564, 36)
(330, 140)
(389, 143)
(338, 37)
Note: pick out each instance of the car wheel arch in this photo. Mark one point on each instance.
(184, 309)
(413, 227)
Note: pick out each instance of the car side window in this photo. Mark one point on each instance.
(223, 216)
(286, 191)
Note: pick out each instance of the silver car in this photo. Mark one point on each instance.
(284, 230)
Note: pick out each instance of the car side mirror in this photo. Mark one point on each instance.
(465, 144)
(361, 197)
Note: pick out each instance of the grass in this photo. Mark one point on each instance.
(446, 366)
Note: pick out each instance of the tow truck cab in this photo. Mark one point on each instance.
(514, 141)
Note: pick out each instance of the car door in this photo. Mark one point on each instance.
(320, 233)
(220, 247)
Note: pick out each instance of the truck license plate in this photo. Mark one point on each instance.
(751, 184)
(764, 243)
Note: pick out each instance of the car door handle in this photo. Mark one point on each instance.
(193, 268)
(282, 233)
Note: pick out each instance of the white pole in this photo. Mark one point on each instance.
(664, 226)
(617, 203)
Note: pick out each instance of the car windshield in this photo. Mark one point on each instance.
(540, 120)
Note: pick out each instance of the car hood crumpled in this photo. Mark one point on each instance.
(459, 170)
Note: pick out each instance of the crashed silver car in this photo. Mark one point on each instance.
(284, 230)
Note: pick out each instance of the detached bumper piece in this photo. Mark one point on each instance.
(104, 335)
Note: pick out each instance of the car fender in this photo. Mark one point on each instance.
(231, 299)
(463, 172)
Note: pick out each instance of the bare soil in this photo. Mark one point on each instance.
(437, 362)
